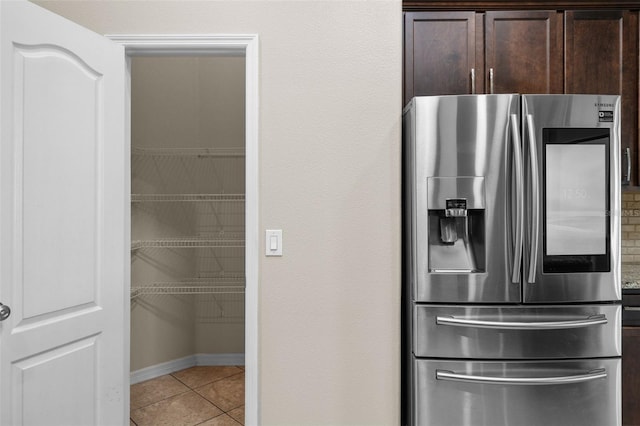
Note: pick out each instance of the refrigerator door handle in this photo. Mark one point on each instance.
(535, 199)
(599, 319)
(519, 191)
(492, 380)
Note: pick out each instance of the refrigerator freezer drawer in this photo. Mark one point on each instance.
(517, 393)
(517, 332)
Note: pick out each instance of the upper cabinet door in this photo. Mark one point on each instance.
(601, 58)
(440, 53)
(523, 52)
(64, 262)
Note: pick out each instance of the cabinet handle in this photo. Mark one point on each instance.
(491, 81)
(473, 81)
(627, 155)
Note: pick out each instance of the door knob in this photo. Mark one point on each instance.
(5, 311)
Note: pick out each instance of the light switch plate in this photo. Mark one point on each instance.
(273, 242)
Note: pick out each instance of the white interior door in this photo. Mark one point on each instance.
(63, 222)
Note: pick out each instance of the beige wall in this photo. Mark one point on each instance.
(330, 102)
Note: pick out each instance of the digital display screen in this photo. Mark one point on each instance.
(576, 200)
(576, 215)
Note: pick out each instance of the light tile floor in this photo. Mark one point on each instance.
(203, 395)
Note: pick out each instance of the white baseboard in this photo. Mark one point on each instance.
(172, 366)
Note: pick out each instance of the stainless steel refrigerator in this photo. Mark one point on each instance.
(511, 258)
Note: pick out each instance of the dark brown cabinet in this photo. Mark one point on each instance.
(454, 53)
(440, 53)
(631, 376)
(601, 57)
(523, 51)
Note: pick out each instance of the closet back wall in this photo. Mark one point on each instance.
(183, 104)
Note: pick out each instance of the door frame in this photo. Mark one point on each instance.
(220, 45)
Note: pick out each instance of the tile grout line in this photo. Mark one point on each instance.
(163, 399)
(189, 390)
(224, 412)
(214, 404)
(207, 383)
(195, 392)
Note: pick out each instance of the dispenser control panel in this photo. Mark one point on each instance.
(456, 207)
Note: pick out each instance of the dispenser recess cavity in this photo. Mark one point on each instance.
(456, 217)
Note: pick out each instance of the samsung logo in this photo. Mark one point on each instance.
(603, 105)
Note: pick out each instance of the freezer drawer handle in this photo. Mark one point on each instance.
(556, 380)
(521, 325)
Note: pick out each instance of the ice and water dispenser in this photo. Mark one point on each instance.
(456, 220)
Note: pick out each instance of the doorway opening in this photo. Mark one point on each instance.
(194, 205)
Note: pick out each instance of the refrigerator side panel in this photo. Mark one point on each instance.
(461, 187)
(572, 159)
(408, 198)
(407, 269)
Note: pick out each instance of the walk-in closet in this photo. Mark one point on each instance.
(187, 212)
